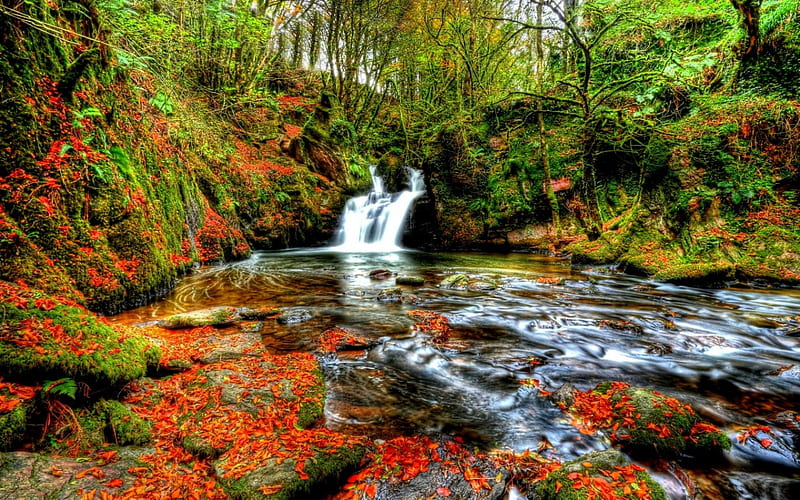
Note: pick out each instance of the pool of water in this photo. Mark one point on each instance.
(734, 354)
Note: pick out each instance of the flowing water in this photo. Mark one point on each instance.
(375, 222)
(734, 354)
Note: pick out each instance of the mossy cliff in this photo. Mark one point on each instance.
(113, 184)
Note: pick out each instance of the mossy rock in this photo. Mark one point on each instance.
(648, 423)
(772, 254)
(705, 274)
(325, 470)
(45, 338)
(12, 426)
(600, 251)
(599, 474)
(391, 294)
(123, 426)
(455, 282)
(410, 280)
(215, 316)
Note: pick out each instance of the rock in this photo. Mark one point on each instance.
(337, 339)
(34, 475)
(646, 422)
(391, 294)
(564, 396)
(215, 316)
(62, 340)
(408, 468)
(260, 314)
(482, 286)
(380, 274)
(605, 474)
(455, 282)
(410, 280)
(294, 315)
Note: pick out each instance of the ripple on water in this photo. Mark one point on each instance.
(731, 353)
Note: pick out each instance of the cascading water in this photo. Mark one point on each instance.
(374, 222)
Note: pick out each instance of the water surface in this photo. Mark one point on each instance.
(734, 354)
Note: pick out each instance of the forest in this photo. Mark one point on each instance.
(598, 244)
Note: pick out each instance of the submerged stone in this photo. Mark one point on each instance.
(391, 294)
(215, 316)
(410, 280)
(294, 316)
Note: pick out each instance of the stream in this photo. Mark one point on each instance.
(733, 354)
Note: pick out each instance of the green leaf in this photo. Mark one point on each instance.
(61, 387)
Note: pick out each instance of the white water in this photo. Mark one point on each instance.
(375, 222)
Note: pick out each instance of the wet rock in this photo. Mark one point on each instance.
(260, 314)
(33, 475)
(380, 274)
(606, 472)
(564, 396)
(337, 339)
(216, 316)
(646, 422)
(294, 316)
(482, 286)
(410, 280)
(391, 294)
(455, 282)
(408, 468)
(622, 326)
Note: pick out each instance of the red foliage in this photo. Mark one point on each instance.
(436, 325)
(335, 339)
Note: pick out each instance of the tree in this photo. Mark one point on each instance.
(751, 13)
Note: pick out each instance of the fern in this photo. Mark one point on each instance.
(61, 387)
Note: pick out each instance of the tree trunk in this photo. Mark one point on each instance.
(751, 12)
(548, 184)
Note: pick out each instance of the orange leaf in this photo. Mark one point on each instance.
(766, 442)
(371, 490)
(443, 491)
(588, 465)
(114, 483)
(558, 486)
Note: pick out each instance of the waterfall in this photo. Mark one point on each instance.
(374, 222)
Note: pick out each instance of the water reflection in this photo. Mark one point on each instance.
(733, 354)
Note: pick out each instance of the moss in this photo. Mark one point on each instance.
(593, 474)
(648, 423)
(312, 409)
(50, 339)
(12, 426)
(325, 471)
(123, 426)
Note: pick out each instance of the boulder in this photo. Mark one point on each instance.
(599, 474)
(410, 280)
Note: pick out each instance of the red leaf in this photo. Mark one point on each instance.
(443, 491)
(766, 442)
(371, 490)
(114, 483)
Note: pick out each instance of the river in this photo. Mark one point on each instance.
(733, 354)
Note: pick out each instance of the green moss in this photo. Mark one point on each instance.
(312, 410)
(49, 339)
(649, 423)
(593, 473)
(123, 426)
(12, 426)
